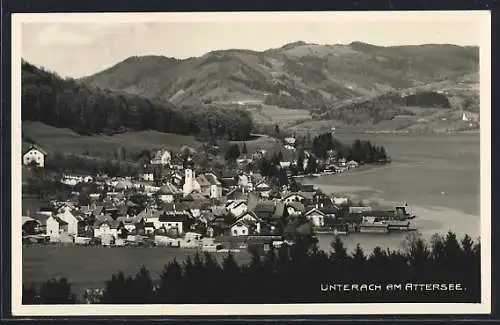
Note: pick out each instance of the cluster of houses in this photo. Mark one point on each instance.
(228, 205)
(183, 206)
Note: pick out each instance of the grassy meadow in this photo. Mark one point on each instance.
(65, 140)
(270, 114)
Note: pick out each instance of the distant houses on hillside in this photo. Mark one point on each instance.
(162, 157)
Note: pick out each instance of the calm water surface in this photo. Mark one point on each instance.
(428, 170)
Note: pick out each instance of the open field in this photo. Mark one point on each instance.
(269, 114)
(425, 120)
(263, 114)
(261, 142)
(79, 264)
(65, 140)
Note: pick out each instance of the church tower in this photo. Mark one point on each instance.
(188, 181)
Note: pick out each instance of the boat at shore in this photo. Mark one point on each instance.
(212, 248)
(340, 232)
(374, 228)
(398, 224)
(228, 250)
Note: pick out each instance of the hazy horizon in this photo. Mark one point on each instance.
(78, 49)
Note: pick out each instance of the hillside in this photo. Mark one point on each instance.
(298, 75)
(87, 110)
(54, 139)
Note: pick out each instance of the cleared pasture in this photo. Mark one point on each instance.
(65, 140)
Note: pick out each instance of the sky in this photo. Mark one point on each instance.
(77, 48)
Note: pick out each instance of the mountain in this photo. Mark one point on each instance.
(297, 75)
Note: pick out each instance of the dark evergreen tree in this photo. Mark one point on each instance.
(57, 292)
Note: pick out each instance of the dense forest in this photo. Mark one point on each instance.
(375, 110)
(67, 103)
(381, 108)
(297, 274)
(427, 99)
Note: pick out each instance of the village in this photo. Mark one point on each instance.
(186, 206)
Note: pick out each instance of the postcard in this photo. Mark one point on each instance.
(257, 163)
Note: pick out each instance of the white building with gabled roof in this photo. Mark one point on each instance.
(34, 156)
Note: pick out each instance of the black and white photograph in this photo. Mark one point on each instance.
(257, 163)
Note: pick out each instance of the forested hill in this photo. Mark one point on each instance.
(297, 75)
(87, 110)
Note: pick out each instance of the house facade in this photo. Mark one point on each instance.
(250, 218)
(294, 197)
(162, 157)
(241, 228)
(316, 217)
(237, 208)
(106, 228)
(294, 208)
(71, 220)
(34, 156)
(55, 227)
(209, 185)
(168, 192)
(173, 221)
(147, 176)
(263, 189)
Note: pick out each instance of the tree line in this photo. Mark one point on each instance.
(373, 110)
(427, 99)
(296, 274)
(323, 146)
(68, 103)
(383, 107)
(361, 151)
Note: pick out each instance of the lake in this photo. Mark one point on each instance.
(428, 169)
(438, 175)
